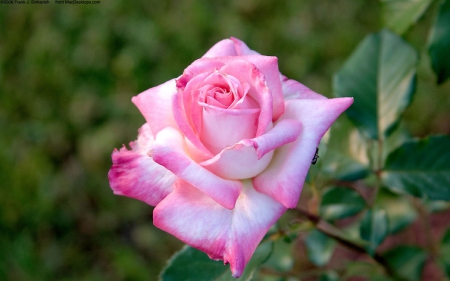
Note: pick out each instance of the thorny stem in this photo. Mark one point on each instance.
(334, 233)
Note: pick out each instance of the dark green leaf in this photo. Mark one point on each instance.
(329, 276)
(399, 210)
(435, 206)
(374, 228)
(421, 168)
(190, 264)
(444, 253)
(320, 247)
(406, 261)
(363, 269)
(380, 277)
(346, 152)
(281, 258)
(398, 15)
(439, 43)
(341, 202)
(380, 75)
(399, 136)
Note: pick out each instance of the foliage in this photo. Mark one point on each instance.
(66, 78)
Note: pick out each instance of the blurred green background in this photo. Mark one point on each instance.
(67, 74)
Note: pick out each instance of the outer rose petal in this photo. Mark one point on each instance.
(295, 90)
(231, 235)
(156, 105)
(168, 150)
(283, 179)
(249, 157)
(221, 48)
(136, 175)
(242, 48)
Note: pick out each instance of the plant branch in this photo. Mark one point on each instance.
(432, 246)
(336, 234)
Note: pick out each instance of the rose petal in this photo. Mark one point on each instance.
(156, 105)
(197, 67)
(136, 175)
(295, 90)
(231, 235)
(242, 48)
(283, 179)
(284, 132)
(221, 48)
(223, 89)
(168, 151)
(190, 126)
(247, 72)
(222, 128)
(250, 157)
(269, 67)
(238, 162)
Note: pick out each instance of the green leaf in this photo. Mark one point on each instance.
(399, 210)
(281, 258)
(190, 264)
(406, 261)
(435, 206)
(329, 276)
(341, 202)
(374, 228)
(320, 247)
(380, 277)
(399, 136)
(439, 43)
(444, 253)
(380, 75)
(346, 152)
(421, 168)
(363, 269)
(398, 15)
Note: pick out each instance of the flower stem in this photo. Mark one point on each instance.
(336, 234)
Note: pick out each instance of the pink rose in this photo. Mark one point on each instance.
(225, 150)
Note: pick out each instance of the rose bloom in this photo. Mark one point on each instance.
(225, 150)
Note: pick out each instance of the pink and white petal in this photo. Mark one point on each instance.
(168, 150)
(253, 216)
(295, 90)
(221, 48)
(284, 177)
(222, 128)
(259, 91)
(238, 162)
(284, 132)
(194, 218)
(184, 125)
(199, 66)
(156, 105)
(269, 67)
(230, 235)
(249, 157)
(192, 110)
(242, 48)
(136, 175)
